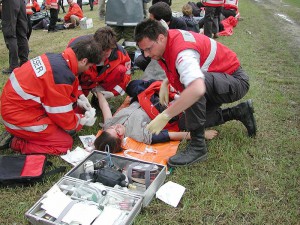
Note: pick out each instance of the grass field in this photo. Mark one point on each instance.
(244, 181)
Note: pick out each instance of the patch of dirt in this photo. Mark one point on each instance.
(287, 25)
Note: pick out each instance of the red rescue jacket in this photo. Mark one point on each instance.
(39, 96)
(74, 9)
(113, 76)
(214, 56)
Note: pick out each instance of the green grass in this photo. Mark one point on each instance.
(244, 181)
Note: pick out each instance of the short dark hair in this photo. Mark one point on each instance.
(169, 2)
(105, 138)
(88, 49)
(161, 10)
(106, 37)
(149, 28)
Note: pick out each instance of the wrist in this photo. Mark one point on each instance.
(166, 115)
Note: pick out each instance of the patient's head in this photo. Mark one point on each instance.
(111, 136)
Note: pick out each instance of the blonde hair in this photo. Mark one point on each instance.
(187, 10)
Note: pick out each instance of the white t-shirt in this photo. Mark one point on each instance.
(188, 66)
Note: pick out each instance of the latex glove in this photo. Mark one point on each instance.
(85, 121)
(90, 121)
(90, 117)
(83, 102)
(159, 122)
(90, 113)
(164, 93)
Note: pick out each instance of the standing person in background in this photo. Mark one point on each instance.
(213, 9)
(102, 9)
(14, 28)
(124, 21)
(29, 13)
(79, 2)
(230, 8)
(61, 5)
(53, 7)
(91, 2)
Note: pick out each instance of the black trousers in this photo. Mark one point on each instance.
(211, 20)
(91, 2)
(220, 88)
(29, 27)
(14, 28)
(53, 19)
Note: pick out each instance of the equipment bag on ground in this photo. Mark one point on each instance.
(24, 169)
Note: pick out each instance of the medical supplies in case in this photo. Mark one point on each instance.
(104, 189)
(74, 201)
(144, 178)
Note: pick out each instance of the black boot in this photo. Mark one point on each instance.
(195, 152)
(242, 112)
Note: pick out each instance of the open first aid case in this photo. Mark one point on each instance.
(88, 193)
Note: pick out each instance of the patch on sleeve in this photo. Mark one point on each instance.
(179, 60)
(38, 66)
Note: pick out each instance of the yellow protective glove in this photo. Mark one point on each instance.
(164, 93)
(158, 123)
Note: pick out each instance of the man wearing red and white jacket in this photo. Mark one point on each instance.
(206, 73)
(213, 10)
(38, 100)
(112, 75)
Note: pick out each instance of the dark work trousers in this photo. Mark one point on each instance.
(220, 88)
(91, 2)
(223, 88)
(53, 19)
(228, 12)
(128, 34)
(29, 26)
(79, 2)
(14, 28)
(211, 20)
(61, 5)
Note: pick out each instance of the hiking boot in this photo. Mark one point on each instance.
(7, 71)
(5, 139)
(243, 112)
(195, 152)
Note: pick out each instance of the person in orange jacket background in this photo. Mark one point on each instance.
(74, 14)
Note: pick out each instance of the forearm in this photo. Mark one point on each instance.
(104, 106)
(179, 136)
